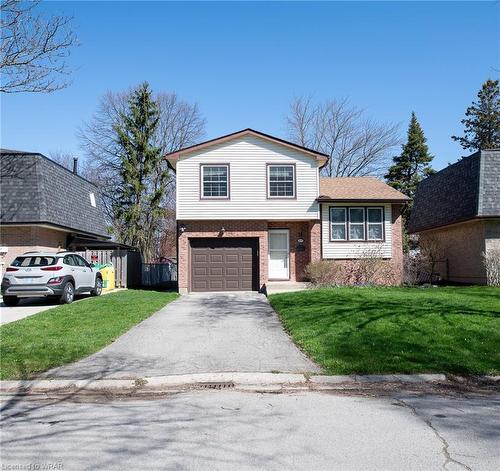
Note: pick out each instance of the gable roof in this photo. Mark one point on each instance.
(465, 190)
(174, 156)
(37, 190)
(358, 189)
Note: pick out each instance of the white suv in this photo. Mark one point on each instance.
(59, 275)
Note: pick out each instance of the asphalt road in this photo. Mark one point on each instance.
(198, 333)
(227, 430)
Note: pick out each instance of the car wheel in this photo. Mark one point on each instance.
(10, 300)
(98, 287)
(68, 293)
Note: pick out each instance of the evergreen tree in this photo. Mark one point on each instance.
(138, 210)
(410, 167)
(482, 119)
(413, 163)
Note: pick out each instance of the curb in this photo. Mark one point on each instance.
(238, 381)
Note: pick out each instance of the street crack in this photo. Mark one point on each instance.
(445, 449)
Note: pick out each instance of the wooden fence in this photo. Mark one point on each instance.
(127, 265)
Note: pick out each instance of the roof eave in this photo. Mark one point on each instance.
(174, 156)
(362, 200)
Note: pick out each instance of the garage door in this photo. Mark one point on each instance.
(229, 264)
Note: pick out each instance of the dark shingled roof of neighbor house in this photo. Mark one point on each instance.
(467, 189)
(36, 190)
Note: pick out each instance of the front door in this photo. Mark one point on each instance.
(279, 254)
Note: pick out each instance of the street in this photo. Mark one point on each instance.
(230, 430)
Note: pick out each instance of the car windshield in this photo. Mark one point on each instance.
(34, 261)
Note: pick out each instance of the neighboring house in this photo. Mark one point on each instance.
(252, 208)
(456, 212)
(44, 206)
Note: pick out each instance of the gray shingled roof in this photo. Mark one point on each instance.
(34, 189)
(467, 189)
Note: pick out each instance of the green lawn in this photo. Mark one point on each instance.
(71, 332)
(396, 330)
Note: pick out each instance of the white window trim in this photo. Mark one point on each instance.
(202, 182)
(294, 183)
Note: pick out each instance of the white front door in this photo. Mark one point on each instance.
(279, 254)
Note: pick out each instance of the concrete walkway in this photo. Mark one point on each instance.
(199, 333)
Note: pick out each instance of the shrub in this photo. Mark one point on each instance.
(369, 269)
(417, 269)
(491, 260)
(324, 273)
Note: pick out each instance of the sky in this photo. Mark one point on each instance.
(244, 62)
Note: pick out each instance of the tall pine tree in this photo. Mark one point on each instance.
(138, 210)
(482, 120)
(411, 166)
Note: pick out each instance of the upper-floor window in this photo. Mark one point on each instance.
(356, 223)
(281, 181)
(215, 181)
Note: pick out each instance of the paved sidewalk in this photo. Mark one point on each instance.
(198, 333)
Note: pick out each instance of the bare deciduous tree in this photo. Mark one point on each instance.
(66, 159)
(356, 145)
(181, 124)
(34, 48)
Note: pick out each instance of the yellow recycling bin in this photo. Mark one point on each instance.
(108, 277)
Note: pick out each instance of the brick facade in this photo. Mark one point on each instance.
(298, 230)
(20, 239)
(309, 231)
(462, 245)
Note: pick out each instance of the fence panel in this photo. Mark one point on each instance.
(159, 275)
(119, 259)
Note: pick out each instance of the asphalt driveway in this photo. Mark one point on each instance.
(199, 333)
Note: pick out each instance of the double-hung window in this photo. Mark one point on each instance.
(356, 223)
(375, 223)
(215, 181)
(281, 181)
(338, 221)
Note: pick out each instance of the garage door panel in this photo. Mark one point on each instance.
(200, 258)
(229, 264)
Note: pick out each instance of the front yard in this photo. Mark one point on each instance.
(396, 330)
(71, 332)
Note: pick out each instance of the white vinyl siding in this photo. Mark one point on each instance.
(248, 158)
(342, 249)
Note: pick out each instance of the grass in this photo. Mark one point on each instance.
(71, 332)
(396, 330)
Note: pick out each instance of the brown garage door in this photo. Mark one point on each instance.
(229, 264)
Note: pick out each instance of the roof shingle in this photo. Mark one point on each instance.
(358, 189)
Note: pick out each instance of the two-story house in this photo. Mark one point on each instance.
(252, 208)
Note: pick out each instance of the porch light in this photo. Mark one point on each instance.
(182, 228)
(222, 230)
